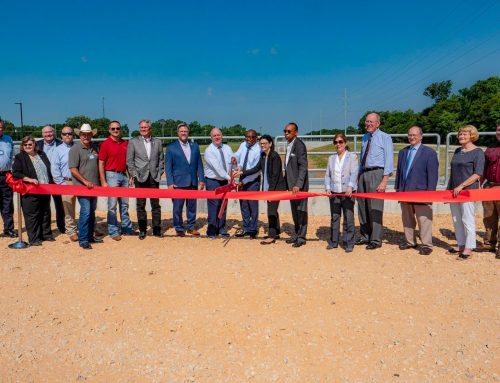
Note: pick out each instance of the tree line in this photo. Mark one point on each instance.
(478, 105)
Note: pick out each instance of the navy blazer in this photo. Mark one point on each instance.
(180, 172)
(423, 173)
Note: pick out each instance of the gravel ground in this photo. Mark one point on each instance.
(194, 310)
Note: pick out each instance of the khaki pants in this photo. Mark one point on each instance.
(423, 214)
(491, 222)
(69, 212)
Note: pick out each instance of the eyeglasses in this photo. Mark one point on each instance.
(66, 134)
(338, 142)
(27, 144)
(115, 129)
(287, 131)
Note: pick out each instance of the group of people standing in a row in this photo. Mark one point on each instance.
(141, 161)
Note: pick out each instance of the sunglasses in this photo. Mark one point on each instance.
(338, 142)
(287, 131)
(115, 129)
(27, 144)
(66, 134)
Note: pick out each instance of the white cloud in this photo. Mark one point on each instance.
(210, 92)
(254, 51)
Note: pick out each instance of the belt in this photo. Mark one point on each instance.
(370, 169)
(114, 171)
(68, 179)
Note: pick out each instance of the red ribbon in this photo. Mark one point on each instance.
(492, 194)
(17, 185)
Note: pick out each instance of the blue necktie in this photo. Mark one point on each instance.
(409, 160)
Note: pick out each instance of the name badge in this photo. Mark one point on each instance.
(91, 156)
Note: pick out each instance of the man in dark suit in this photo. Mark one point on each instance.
(48, 145)
(145, 166)
(296, 177)
(417, 170)
(184, 169)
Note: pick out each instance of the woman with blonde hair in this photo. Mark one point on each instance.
(467, 166)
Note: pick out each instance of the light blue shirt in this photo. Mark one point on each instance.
(253, 159)
(380, 154)
(59, 164)
(50, 149)
(6, 152)
(213, 163)
(411, 155)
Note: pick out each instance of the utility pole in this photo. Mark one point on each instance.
(320, 122)
(21, 110)
(345, 111)
(103, 114)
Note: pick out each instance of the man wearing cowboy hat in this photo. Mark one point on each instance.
(83, 164)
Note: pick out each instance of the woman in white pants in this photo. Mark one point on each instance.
(467, 167)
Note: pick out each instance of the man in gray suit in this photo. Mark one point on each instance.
(296, 176)
(145, 162)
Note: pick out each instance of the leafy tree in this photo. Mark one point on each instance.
(77, 121)
(439, 91)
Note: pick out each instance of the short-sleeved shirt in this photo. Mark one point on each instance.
(114, 155)
(6, 152)
(464, 165)
(86, 161)
(492, 166)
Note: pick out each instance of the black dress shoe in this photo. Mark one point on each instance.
(240, 234)
(291, 240)
(298, 244)
(373, 245)
(224, 235)
(10, 233)
(180, 233)
(348, 249)
(361, 241)
(85, 246)
(332, 246)
(36, 243)
(142, 235)
(463, 257)
(425, 250)
(406, 246)
(157, 235)
(96, 240)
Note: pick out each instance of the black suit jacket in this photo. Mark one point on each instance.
(23, 167)
(274, 171)
(296, 171)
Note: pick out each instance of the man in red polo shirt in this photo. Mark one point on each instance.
(113, 172)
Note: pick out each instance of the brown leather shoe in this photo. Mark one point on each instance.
(180, 233)
(482, 248)
(117, 238)
(193, 232)
(73, 237)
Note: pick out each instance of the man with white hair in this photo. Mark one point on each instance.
(48, 145)
(84, 166)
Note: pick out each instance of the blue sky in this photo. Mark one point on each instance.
(258, 63)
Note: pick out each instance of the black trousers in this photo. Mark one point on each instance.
(7, 205)
(300, 218)
(273, 218)
(36, 212)
(142, 216)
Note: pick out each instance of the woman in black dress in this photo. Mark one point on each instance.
(32, 166)
(272, 180)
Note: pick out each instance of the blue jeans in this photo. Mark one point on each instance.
(86, 221)
(115, 179)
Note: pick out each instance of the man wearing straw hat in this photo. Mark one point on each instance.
(83, 164)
